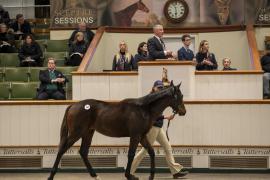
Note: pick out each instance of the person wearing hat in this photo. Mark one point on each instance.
(156, 133)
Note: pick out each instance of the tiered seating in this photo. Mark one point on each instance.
(4, 90)
(16, 74)
(59, 57)
(16, 80)
(41, 43)
(34, 73)
(9, 60)
(22, 82)
(20, 90)
(1, 74)
(56, 45)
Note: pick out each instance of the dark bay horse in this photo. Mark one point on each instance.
(128, 118)
(123, 17)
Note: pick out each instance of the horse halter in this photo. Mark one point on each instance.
(176, 106)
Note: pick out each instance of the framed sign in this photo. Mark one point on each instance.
(69, 13)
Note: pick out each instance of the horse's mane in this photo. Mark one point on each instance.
(148, 99)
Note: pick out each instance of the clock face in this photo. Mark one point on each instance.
(176, 11)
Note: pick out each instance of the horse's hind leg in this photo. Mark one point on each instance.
(84, 149)
(145, 143)
(65, 144)
(133, 144)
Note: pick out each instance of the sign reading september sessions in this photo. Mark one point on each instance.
(69, 13)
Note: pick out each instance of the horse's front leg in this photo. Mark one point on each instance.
(145, 143)
(133, 144)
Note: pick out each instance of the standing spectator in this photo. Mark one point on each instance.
(156, 133)
(122, 60)
(141, 56)
(88, 34)
(185, 53)
(265, 62)
(51, 83)
(77, 50)
(21, 27)
(4, 16)
(205, 59)
(30, 53)
(227, 64)
(7, 40)
(156, 45)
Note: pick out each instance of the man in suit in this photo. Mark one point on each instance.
(185, 53)
(51, 83)
(156, 46)
(21, 27)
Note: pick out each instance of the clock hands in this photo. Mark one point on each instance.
(175, 11)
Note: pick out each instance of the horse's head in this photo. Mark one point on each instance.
(177, 104)
(142, 6)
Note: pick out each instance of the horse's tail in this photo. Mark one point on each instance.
(64, 128)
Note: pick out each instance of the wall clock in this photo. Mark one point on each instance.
(176, 11)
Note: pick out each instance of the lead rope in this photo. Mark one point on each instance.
(168, 125)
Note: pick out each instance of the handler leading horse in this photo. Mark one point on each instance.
(128, 118)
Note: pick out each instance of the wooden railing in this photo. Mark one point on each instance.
(112, 73)
(253, 49)
(187, 102)
(165, 62)
(91, 50)
(248, 72)
(201, 29)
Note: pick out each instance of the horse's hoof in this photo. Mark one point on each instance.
(151, 177)
(97, 178)
(132, 177)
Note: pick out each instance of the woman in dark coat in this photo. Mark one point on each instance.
(205, 59)
(141, 56)
(77, 50)
(30, 53)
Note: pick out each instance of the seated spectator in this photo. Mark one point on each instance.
(88, 34)
(7, 40)
(227, 64)
(122, 60)
(51, 83)
(265, 62)
(205, 59)
(30, 53)
(185, 53)
(77, 50)
(4, 16)
(21, 27)
(141, 56)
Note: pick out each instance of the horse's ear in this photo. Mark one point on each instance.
(171, 83)
(178, 86)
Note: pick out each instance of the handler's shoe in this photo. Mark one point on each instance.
(181, 173)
